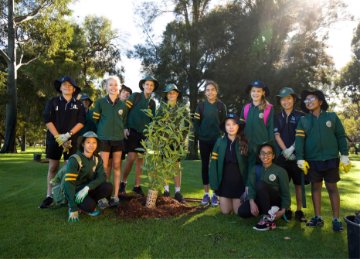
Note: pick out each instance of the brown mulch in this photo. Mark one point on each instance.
(133, 207)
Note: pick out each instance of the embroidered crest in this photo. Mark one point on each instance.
(272, 177)
(121, 112)
(261, 115)
(74, 107)
(328, 124)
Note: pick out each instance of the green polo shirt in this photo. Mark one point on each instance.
(110, 118)
(207, 122)
(320, 138)
(136, 118)
(217, 162)
(277, 179)
(91, 174)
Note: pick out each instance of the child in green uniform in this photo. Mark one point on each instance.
(134, 131)
(89, 121)
(268, 190)
(84, 183)
(110, 114)
(207, 118)
(259, 118)
(228, 164)
(320, 136)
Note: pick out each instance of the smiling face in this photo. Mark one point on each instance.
(149, 87)
(112, 87)
(172, 96)
(211, 93)
(231, 127)
(312, 102)
(89, 145)
(257, 94)
(287, 102)
(266, 155)
(67, 89)
(124, 95)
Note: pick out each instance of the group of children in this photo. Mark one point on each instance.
(247, 160)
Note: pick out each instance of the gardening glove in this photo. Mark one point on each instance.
(288, 152)
(292, 157)
(303, 165)
(345, 164)
(73, 216)
(62, 138)
(67, 146)
(80, 196)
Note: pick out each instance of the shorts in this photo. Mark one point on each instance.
(329, 175)
(53, 151)
(111, 145)
(133, 141)
(293, 171)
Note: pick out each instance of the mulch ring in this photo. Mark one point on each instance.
(132, 207)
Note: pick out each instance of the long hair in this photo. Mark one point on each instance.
(242, 140)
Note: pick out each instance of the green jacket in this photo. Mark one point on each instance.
(217, 162)
(90, 124)
(136, 118)
(207, 121)
(320, 139)
(74, 177)
(276, 177)
(256, 131)
(110, 118)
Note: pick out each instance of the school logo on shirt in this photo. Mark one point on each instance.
(74, 107)
(261, 115)
(328, 124)
(120, 112)
(272, 177)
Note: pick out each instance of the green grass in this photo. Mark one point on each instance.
(26, 231)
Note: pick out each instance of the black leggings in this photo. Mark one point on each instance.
(104, 190)
(265, 198)
(206, 148)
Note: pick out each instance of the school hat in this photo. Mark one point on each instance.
(233, 116)
(266, 143)
(171, 87)
(125, 88)
(86, 97)
(286, 91)
(148, 78)
(58, 82)
(258, 84)
(88, 134)
(319, 94)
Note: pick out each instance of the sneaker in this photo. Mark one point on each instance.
(167, 194)
(265, 224)
(300, 216)
(178, 196)
(272, 212)
(337, 225)
(114, 202)
(315, 222)
(103, 203)
(288, 214)
(214, 200)
(122, 188)
(46, 203)
(205, 200)
(138, 190)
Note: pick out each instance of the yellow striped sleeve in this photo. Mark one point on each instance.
(70, 179)
(197, 116)
(300, 131)
(129, 104)
(71, 175)
(96, 115)
(299, 135)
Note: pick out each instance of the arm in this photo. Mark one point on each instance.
(300, 140)
(197, 120)
(213, 170)
(99, 175)
(71, 175)
(341, 137)
(97, 112)
(270, 124)
(284, 189)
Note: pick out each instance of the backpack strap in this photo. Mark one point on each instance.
(78, 159)
(267, 113)
(246, 110)
(258, 172)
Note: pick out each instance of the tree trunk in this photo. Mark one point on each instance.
(11, 112)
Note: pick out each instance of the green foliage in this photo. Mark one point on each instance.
(165, 143)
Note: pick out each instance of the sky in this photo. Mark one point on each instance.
(122, 15)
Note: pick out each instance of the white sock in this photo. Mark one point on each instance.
(207, 193)
(167, 189)
(177, 189)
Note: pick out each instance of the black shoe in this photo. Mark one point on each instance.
(300, 216)
(138, 190)
(46, 203)
(166, 194)
(178, 196)
(122, 188)
(288, 214)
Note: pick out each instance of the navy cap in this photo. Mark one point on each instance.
(58, 82)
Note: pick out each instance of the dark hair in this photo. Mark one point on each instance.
(81, 141)
(125, 88)
(210, 82)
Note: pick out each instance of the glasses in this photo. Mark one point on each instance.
(266, 153)
(309, 100)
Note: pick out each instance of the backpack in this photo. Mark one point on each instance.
(58, 181)
(152, 104)
(220, 107)
(266, 112)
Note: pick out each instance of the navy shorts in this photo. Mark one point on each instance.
(293, 171)
(111, 145)
(324, 170)
(133, 141)
(53, 151)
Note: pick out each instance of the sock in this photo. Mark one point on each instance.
(207, 193)
(167, 189)
(177, 189)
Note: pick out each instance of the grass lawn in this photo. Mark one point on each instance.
(26, 231)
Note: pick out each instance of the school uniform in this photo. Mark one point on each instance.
(91, 174)
(207, 119)
(319, 141)
(227, 169)
(64, 115)
(90, 124)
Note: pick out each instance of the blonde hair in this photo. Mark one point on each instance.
(116, 78)
(263, 104)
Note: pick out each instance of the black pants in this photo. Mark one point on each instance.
(104, 190)
(206, 148)
(265, 198)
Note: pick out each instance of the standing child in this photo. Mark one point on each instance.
(64, 117)
(110, 114)
(89, 121)
(228, 164)
(207, 118)
(134, 131)
(285, 124)
(320, 136)
(268, 190)
(259, 118)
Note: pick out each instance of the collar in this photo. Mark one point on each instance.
(109, 100)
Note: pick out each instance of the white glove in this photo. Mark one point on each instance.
(303, 165)
(272, 212)
(80, 196)
(292, 157)
(345, 164)
(345, 160)
(62, 138)
(73, 216)
(288, 152)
